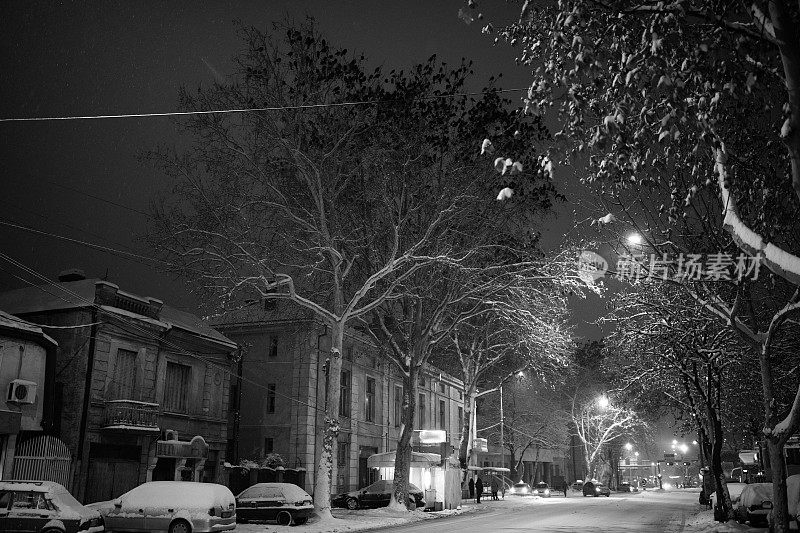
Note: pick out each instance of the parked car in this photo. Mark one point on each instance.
(376, 495)
(625, 486)
(44, 506)
(520, 489)
(171, 507)
(595, 488)
(541, 489)
(285, 503)
(577, 486)
(754, 504)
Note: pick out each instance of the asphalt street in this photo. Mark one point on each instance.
(651, 512)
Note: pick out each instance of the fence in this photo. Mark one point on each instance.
(44, 458)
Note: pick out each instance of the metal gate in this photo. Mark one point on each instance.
(44, 458)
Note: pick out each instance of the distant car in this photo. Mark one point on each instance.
(379, 494)
(44, 506)
(172, 507)
(520, 489)
(577, 486)
(595, 488)
(285, 503)
(541, 489)
(625, 486)
(754, 504)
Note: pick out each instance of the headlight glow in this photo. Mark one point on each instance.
(597, 489)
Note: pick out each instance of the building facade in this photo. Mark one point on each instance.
(27, 364)
(141, 390)
(283, 395)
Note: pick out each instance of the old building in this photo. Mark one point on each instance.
(141, 389)
(283, 394)
(27, 366)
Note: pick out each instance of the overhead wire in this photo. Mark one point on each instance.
(146, 333)
(244, 109)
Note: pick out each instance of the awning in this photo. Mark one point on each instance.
(473, 468)
(418, 460)
(495, 469)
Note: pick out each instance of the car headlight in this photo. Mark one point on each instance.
(524, 489)
(546, 491)
(597, 489)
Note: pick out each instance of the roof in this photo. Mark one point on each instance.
(62, 296)
(10, 322)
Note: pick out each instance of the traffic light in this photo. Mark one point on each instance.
(669, 463)
(687, 463)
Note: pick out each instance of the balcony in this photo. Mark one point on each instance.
(130, 415)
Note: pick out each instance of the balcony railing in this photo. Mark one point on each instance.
(131, 415)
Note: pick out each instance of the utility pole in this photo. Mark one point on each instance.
(502, 443)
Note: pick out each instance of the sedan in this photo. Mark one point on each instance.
(754, 504)
(285, 503)
(378, 494)
(521, 489)
(541, 489)
(171, 507)
(595, 488)
(44, 506)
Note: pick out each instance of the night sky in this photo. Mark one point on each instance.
(83, 179)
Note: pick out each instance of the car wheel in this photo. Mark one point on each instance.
(351, 504)
(300, 521)
(284, 518)
(180, 526)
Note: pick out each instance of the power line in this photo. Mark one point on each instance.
(110, 202)
(240, 110)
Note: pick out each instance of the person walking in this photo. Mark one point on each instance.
(471, 486)
(495, 487)
(478, 490)
(566, 487)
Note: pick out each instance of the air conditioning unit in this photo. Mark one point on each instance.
(170, 434)
(21, 391)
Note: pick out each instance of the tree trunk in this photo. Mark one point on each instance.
(327, 461)
(779, 522)
(466, 428)
(724, 509)
(402, 463)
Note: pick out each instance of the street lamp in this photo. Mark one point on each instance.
(603, 402)
(634, 238)
(628, 446)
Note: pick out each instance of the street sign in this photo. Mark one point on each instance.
(669, 456)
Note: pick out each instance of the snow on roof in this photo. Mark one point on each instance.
(11, 322)
(179, 494)
(81, 294)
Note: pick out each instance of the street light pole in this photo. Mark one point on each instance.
(502, 452)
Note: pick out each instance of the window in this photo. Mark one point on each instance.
(442, 415)
(269, 445)
(176, 388)
(421, 381)
(344, 394)
(460, 420)
(442, 387)
(343, 455)
(369, 408)
(398, 405)
(270, 397)
(124, 385)
(272, 350)
(421, 416)
(348, 353)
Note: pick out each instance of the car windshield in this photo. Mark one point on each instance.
(521, 485)
(541, 485)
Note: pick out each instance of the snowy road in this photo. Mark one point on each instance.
(649, 512)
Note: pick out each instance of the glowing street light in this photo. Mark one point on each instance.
(628, 446)
(684, 448)
(634, 238)
(603, 402)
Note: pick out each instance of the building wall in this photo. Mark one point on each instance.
(23, 359)
(297, 371)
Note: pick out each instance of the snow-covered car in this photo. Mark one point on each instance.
(595, 488)
(285, 503)
(379, 494)
(541, 489)
(577, 486)
(520, 489)
(171, 507)
(44, 506)
(754, 504)
(734, 489)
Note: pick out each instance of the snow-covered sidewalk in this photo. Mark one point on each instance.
(367, 519)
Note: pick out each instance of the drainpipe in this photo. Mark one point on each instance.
(87, 392)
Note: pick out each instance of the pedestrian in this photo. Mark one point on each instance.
(478, 490)
(495, 487)
(566, 485)
(471, 485)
